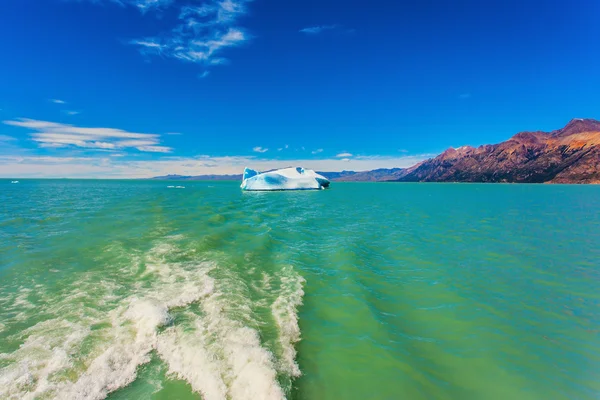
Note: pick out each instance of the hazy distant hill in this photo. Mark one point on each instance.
(377, 175)
(198, 178)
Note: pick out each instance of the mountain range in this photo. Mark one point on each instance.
(567, 155)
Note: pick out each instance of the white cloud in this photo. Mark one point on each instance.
(142, 5)
(113, 167)
(145, 5)
(201, 34)
(57, 101)
(259, 149)
(71, 112)
(315, 30)
(344, 155)
(55, 135)
(150, 43)
(155, 149)
(317, 151)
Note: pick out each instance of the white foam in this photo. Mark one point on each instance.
(116, 367)
(51, 347)
(22, 301)
(47, 350)
(220, 354)
(266, 281)
(285, 313)
(222, 358)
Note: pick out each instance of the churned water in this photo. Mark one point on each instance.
(125, 289)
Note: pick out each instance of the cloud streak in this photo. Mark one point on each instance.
(142, 5)
(57, 135)
(315, 30)
(344, 155)
(201, 34)
(57, 101)
(259, 149)
(146, 5)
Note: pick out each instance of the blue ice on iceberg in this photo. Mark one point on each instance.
(283, 179)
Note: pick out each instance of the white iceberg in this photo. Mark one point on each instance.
(283, 179)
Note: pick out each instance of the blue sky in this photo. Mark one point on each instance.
(136, 88)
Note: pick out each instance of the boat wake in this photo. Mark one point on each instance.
(200, 319)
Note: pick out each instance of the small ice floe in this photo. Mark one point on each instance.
(179, 187)
(170, 187)
(14, 181)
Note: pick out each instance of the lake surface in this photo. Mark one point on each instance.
(126, 289)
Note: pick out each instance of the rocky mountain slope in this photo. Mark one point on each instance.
(567, 155)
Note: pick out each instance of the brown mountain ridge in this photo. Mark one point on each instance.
(567, 155)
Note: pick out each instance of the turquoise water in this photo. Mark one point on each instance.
(125, 289)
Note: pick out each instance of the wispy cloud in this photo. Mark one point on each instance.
(259, 149)
(315, 30)
(317, 151)
(57, 101)
(344, 155)
(464, 96)
(57, 135)
(70, 112)
(204, 74)
(145, 5)
(173, 133)
(142, 5)
(5, 138)
(201, 34)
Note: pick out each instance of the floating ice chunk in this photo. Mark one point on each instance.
(283, 179)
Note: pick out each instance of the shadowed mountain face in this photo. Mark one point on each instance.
(567, 155)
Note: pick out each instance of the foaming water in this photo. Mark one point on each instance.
(126, 290)
(215, 350)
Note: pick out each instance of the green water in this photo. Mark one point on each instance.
(132, 290)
